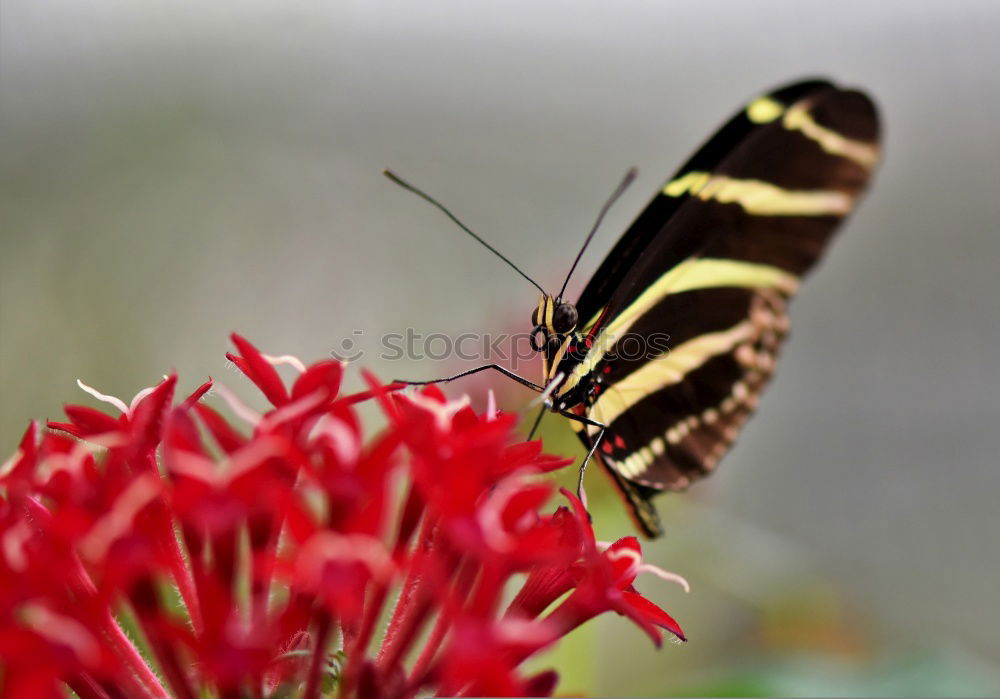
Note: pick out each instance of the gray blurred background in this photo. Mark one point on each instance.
(170, 172)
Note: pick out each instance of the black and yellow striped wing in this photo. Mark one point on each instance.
(706, 270)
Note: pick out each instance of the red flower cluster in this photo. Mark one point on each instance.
(164, 553)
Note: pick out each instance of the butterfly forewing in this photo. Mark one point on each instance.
(701, 280)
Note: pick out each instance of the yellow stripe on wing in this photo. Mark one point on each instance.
(764, 110)
(698, 273)
(798, 118)
(758, 197)
(666, 370)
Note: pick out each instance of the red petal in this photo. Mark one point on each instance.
(465, 419)
(379, 392)
(625, 564)
(27, 459)
(198, 393)
(433, 391)
(228, 438)
(363, 396)
(582, 517)
(322, 375)
(523, 452)
(147, 418)
(91, 421)
(260, 371)
(530, 454)
(65, 427)
(546, 463)
(653, 613)
(239, 361)
(526, 500)
(543, 586)
(182, 433)
(29, 442)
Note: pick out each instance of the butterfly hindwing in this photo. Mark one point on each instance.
(706, 271)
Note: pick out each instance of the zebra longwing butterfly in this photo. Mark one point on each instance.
(710, 264)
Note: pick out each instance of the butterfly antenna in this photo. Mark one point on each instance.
(619, 190)
(423, 195)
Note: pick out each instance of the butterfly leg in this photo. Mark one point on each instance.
(538, 421)
(496, 367)
(593, 447)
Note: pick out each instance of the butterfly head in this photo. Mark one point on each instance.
(552, 319)
(554, 322)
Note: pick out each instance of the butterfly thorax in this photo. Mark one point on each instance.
(562, 346)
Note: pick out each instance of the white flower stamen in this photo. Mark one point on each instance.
(491, 406)
(238, 407)
(63, 630)
(288, 359)
(442, 412)
(640, 566)
(117, 402)
(118, 520)
(665, 575)
(142, 394)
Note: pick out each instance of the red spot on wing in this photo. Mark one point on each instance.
(597, 325)
(606, 447)
(619, 442)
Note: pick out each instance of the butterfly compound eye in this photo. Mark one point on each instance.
(565, 317)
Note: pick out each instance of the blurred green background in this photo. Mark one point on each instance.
(170, 172)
